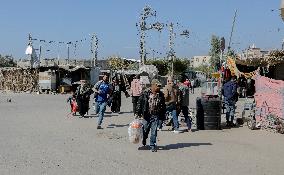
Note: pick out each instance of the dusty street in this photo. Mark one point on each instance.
(37, 137)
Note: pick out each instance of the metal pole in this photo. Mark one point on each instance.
(229, 47)
(39, 56)
(94, 50)
(67, 53)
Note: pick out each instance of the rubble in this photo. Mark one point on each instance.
(18, 79)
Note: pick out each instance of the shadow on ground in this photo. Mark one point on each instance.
(175, 146)
(117, 126)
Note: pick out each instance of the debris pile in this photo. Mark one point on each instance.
(18, 80)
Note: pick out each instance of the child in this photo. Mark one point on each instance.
(73, 103)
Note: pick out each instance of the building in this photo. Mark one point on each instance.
(253, 53)
(197, 61)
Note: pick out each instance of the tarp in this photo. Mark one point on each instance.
(234, 70)
(269, 98)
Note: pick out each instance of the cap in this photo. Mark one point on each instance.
(156, 82)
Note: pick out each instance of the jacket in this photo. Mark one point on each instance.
(142, 108)
(183, 95)
(171, 94)
(136, 87)
(230, 90)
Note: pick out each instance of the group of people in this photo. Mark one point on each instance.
(105, 94)
(153, 104)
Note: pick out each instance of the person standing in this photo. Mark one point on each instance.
(116, 96)
(102, 91)
(135, 91)
(192, 85)
(151, 106)
(230, 97)
(82, 94)
(184, 103)
(171, 95)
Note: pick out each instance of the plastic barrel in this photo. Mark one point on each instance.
(199, 115)
(212, 113)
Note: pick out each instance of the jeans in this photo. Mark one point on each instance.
(184, 110)
(134, 101)
(100, 109)
(172, 109)
(230, 109)
(151, 124)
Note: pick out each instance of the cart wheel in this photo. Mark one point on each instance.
(251, 124)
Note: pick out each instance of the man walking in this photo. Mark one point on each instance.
(135, 91)
(102, 91)
(151, 105)
(230, 97)
(171, 95)
(184, 103)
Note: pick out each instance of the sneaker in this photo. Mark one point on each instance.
(176, 131)
(99, 127)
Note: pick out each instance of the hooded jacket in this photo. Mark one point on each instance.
(142, 108)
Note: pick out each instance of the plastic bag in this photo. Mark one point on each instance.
(74, 106)
(135, 131)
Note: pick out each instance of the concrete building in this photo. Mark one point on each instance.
(253, 53)
(197, 61)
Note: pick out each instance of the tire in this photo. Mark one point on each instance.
(211, 119)
(212, 126)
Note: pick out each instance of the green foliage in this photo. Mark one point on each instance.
(164, 67)
(117, 63)
(180, 65)
(7, 61)
(231, 53)
(215, 52)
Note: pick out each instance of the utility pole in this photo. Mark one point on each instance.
(94, 49)
(142, 28)
(171, 53)
(233, 26)
(68, 52)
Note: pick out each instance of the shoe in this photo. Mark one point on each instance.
(159, 129)
(187, 130)
(153, 149)
(228, 124)
(144, 142)
(176, 131)
(233, 124)
(99, 127)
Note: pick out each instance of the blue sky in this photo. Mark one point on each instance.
(114, 23)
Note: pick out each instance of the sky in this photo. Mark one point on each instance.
(114, 22)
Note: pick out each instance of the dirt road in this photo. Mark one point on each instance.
(37, 137)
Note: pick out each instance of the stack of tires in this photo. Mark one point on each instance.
(208, 113)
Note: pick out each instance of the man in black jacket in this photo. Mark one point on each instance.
(151, 105)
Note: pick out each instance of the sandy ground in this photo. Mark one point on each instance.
(37, 137)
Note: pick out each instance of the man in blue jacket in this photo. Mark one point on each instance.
(230, 98)
(102, 91)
